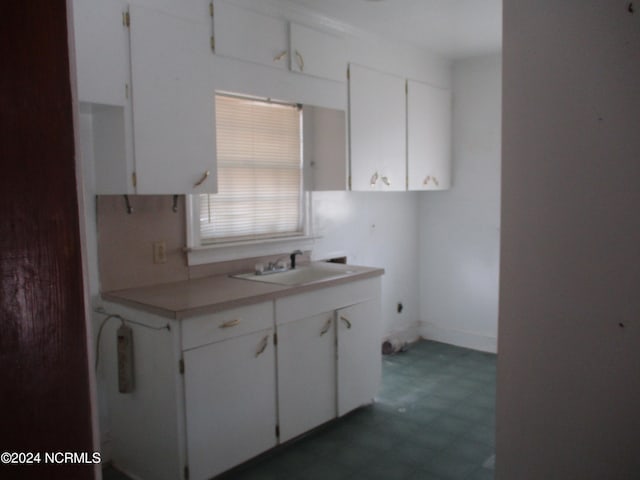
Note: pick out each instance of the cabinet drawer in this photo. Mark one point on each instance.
(205, 329)
(315, 302)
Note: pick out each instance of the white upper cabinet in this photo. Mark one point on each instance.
(324, 148)
(101, 39)
(317, 53)
(173, 103)
(377, 130)
(428, 137)
(102, 51)
(255, 37)
(247, 35)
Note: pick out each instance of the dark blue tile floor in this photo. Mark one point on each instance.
(433, 419)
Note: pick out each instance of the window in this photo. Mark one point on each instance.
(259, 161)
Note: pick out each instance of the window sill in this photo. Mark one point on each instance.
(255, 248)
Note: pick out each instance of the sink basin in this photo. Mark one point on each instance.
(300, 275)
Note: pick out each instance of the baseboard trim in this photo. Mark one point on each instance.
(460, 338)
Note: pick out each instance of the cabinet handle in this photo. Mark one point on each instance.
(279, 57)
(374, 179)
(300, 61)
(326, 327)
(428, 178)
(346, 321)
(386, 181)
(230, 323)
(205, 175)
(263, 346)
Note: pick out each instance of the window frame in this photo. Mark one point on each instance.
(199, 252)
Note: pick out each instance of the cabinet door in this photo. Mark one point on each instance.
(359, 354)
(173, 103)
(306, 374)
(113, 149)
(230, 402)
(102, 51)
(428, 137)
(324, 148)
(247, 35)
(317, 53)
(377, 130)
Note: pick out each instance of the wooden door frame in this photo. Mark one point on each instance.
(47, 383)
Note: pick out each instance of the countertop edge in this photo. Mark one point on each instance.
(120, 296)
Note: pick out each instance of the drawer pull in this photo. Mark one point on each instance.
(385, 180)
(346, 321)
(263, 346)
(326, 327)
(230, 323)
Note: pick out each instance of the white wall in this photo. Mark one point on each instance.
(569, 363)
(460, 228)
(91, 242)
(375, 229)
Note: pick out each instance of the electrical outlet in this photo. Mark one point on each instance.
(159, 252)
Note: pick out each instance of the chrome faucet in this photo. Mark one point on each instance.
(293, 258)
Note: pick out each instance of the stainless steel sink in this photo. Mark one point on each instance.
(301, 275)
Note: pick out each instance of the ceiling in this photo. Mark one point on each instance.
(451, 28)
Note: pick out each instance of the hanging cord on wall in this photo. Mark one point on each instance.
(124, 321)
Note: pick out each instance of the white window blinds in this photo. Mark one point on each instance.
(259, 172)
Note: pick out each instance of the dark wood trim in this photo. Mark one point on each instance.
(44, 377)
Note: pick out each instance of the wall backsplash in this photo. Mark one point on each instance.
(125, 243)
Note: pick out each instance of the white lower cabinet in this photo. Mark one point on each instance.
(329, 360)
(214, 390)
(306, 374)
(230, 402)
(359, 363)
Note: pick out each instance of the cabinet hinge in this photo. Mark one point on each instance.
(349, 182)
(406, 87)
(186, 472)
(275, 339)
(126, 19)
(181, 366)
(134, 179)
(348, 74)
(126, 90)
(211, 9)
(278, 431)
(213, 43)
